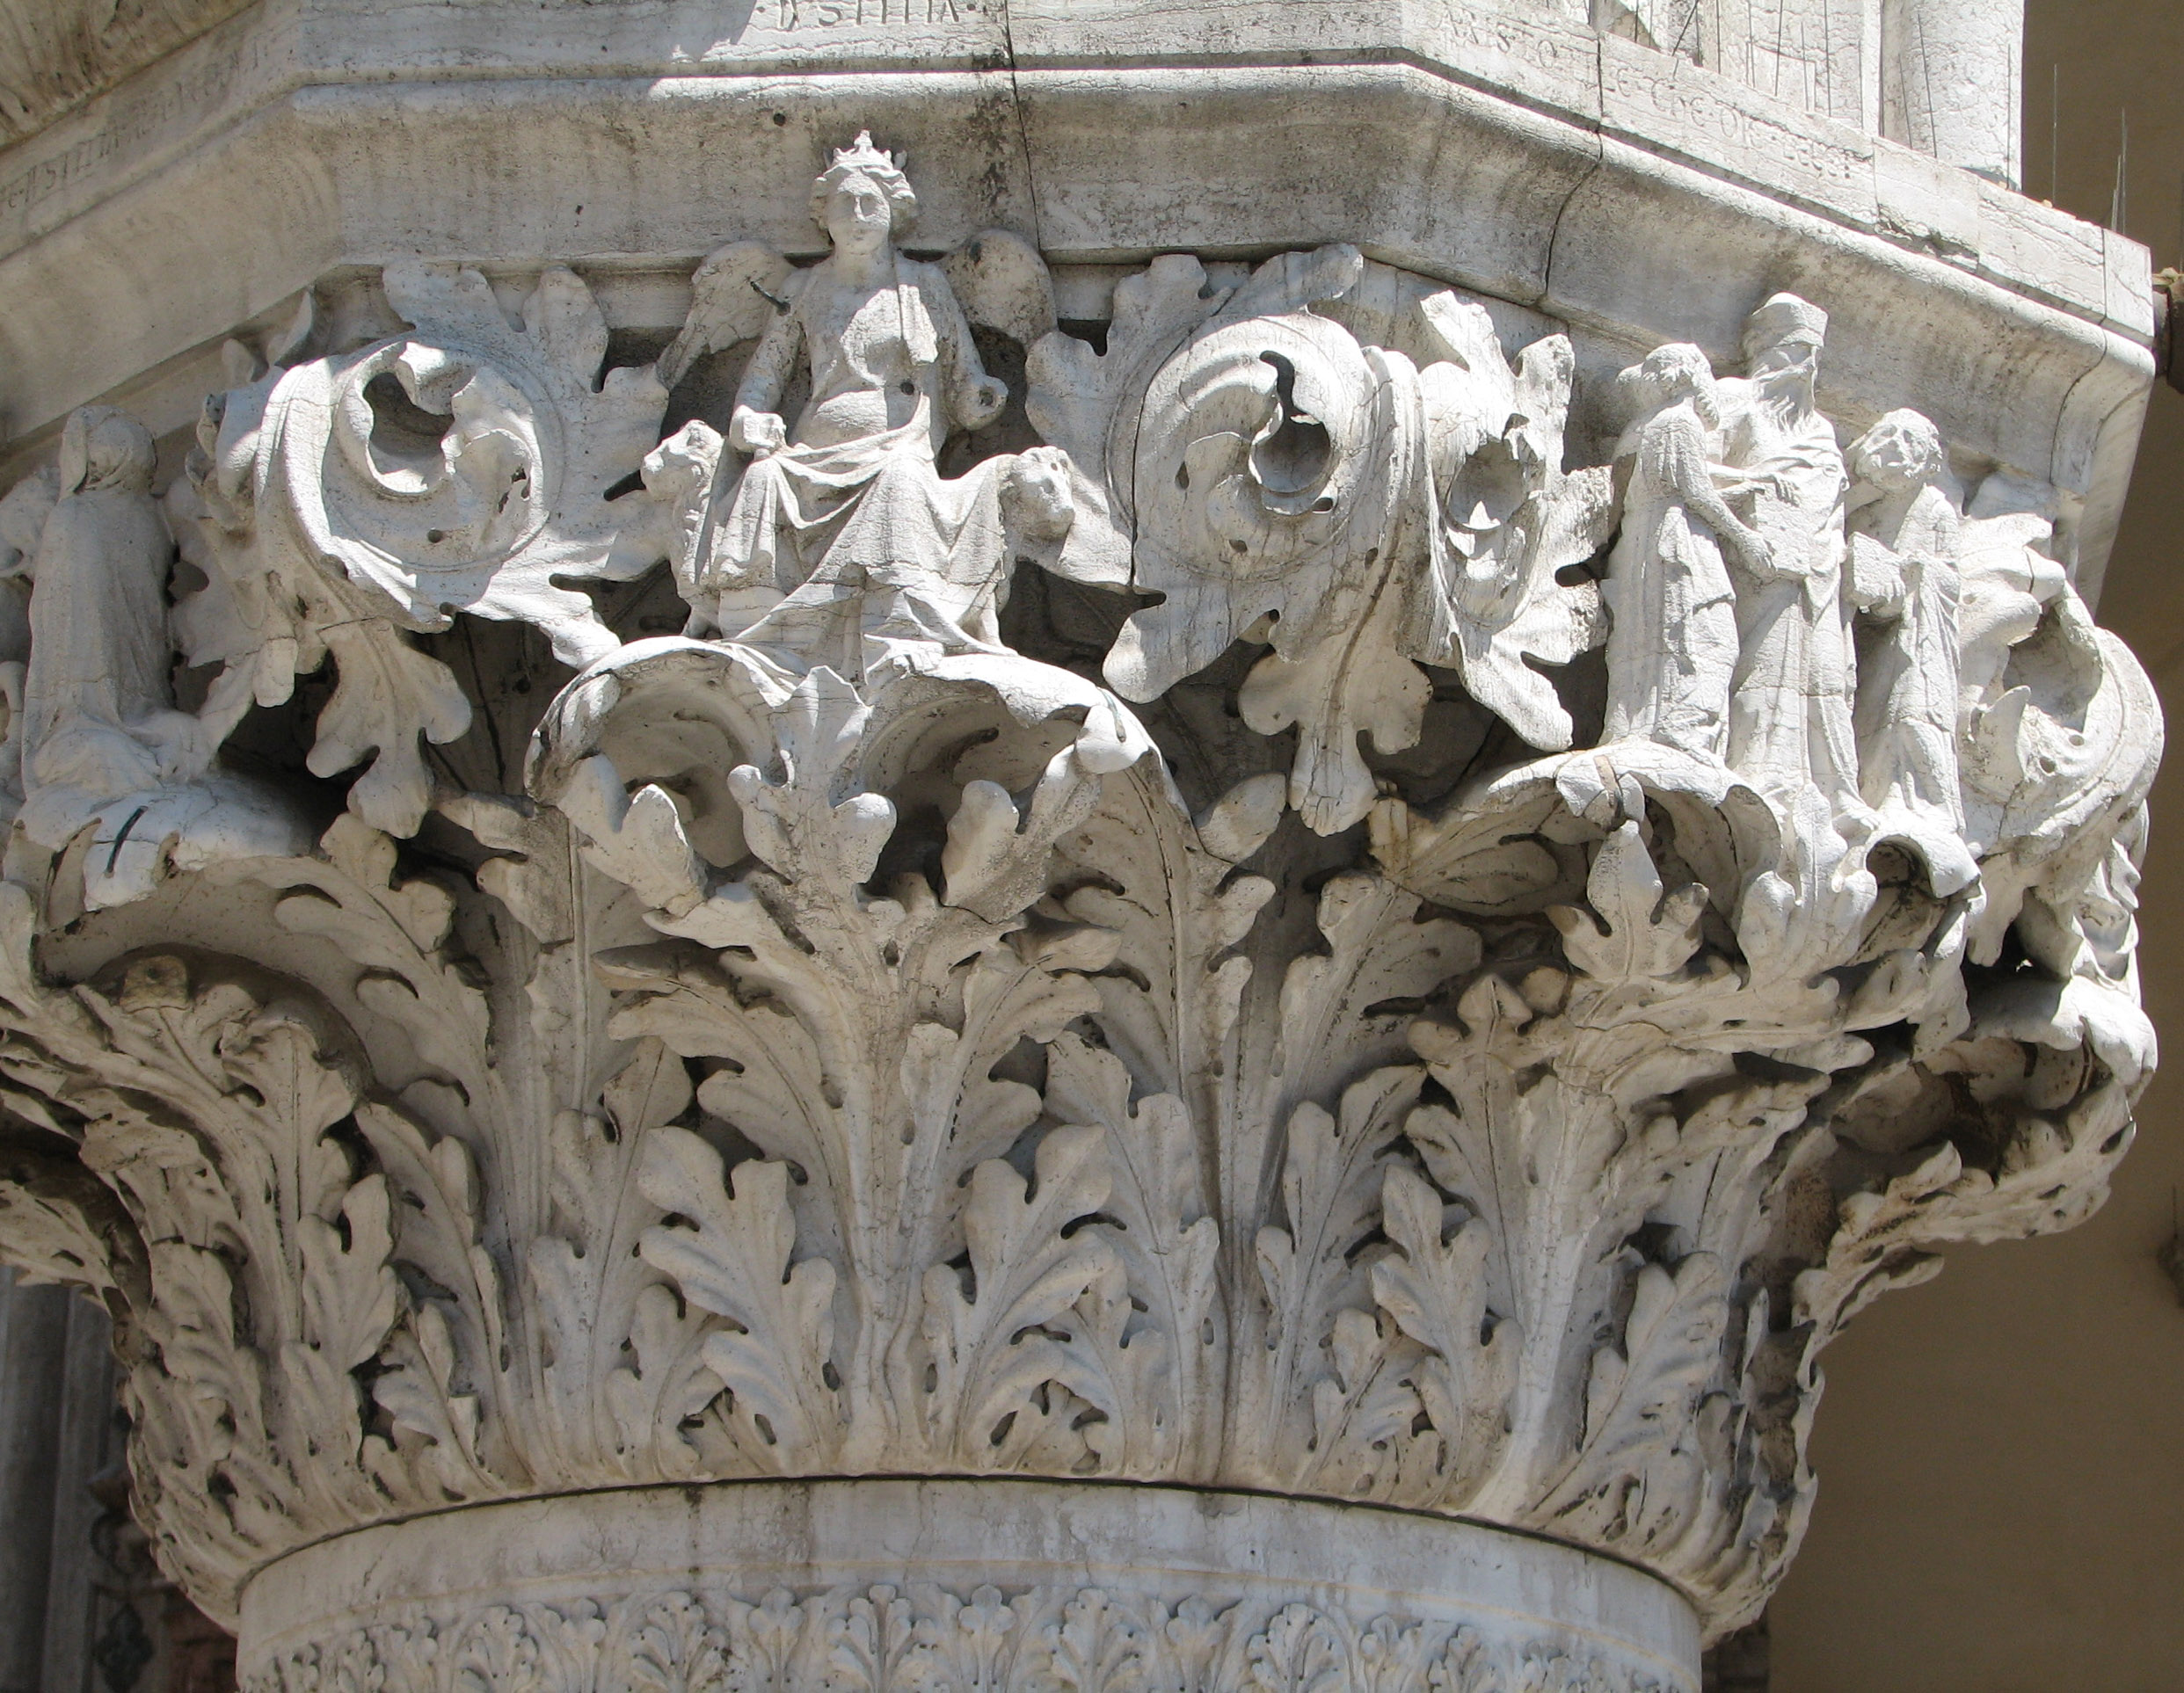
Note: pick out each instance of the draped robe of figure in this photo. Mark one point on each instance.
(97, 700)
(1907, 692)
(1790, 709)
(879, 556)
(1672, 648)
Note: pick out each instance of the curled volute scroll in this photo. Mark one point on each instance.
(462, 465)
(1364, 514)
(844, 1037)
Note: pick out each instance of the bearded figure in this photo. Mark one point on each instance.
(1790, 710)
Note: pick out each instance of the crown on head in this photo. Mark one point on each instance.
(881, 169)
(861, 155)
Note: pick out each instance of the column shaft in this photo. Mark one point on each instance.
(1952, 74)
(33, 1337)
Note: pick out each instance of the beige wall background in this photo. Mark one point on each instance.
(2001, 1451)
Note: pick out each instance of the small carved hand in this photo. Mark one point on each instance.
(759, 433)
(714, 576)
(1753, 553)
(1776, 487)
(1879, 583)
(182, 744)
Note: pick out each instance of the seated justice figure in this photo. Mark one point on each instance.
(880, 559)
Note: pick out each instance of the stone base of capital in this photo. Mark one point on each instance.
(867, 1586)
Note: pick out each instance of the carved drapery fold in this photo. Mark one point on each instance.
(1293, 1003)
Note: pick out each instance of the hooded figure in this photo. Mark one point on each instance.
(98, 717)
(1905, 532)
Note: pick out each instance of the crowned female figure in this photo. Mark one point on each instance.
(880, 558)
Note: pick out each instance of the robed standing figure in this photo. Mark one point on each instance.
(1672, 652)
(1905, 536)
(1790, 712)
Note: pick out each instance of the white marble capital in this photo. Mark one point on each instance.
(1167, 896)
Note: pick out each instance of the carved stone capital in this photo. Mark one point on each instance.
(1338, 895)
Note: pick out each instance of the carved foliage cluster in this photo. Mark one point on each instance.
(461, 463)
(924, 1639)
(801, 1073)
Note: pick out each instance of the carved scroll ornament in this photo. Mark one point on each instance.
(1280, 1006)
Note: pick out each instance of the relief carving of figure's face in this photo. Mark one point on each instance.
(1034, 494)
(1888, 465)
(105, 448)
(858, 216)
(1900, 452)
(1782, 365)
(1675, 372)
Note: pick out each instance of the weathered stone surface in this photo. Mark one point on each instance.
(54, 55)
(1373, 817)
(300, 137)
(1027, 1585)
